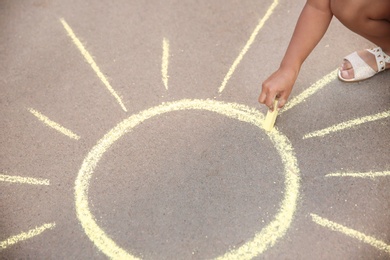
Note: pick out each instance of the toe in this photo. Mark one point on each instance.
(346, 65)
(347, 74)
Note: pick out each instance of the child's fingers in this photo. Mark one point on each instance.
(281, 102)
(269, 102)
(283, 97)
(267, 98)
(262, 97)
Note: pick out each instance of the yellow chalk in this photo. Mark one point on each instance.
(381, 245)
(92, 63)
(25, 235)
(248, 44)
(271, 117)
(53, 124)
(348, 124)
(310, 91)
(371, 175)
(265, 238)
(25, 180)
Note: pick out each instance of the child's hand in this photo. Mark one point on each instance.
(278, 85)
(311, 26)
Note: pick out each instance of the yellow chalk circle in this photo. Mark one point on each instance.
(261, 241)
(351, 233)
(25, 235)
(24, 180)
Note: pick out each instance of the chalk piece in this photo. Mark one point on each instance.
(271, 117)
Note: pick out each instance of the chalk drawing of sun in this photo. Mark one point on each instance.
(265, 236)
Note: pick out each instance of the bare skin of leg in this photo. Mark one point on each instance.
(371, 20)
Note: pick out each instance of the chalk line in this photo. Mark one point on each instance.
(248, 45)
(371, 175)
(24, 180)
(310, 91)
(164, 63)
(25, 235)
(265, 238)
(351, 233)
(348, 124)
(53, 124)
(91, 62)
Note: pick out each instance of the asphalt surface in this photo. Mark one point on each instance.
(183, 183)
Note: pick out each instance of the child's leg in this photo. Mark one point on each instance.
(368, 18)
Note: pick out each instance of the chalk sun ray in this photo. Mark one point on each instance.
(25, 235)
(371, 175)
(347, 125)
(92, 63)
(310, 91)
(248, 45)
(165, 62)
(53, 124)
(351, 233)
(24, 180)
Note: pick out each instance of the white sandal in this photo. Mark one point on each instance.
(361, 69)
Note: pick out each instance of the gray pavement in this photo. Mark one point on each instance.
(192, 179)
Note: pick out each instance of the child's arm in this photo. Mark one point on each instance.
(311, 26)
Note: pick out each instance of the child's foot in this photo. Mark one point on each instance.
(364, 64)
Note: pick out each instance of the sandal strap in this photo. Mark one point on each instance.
(361, 69)
(380, 57)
